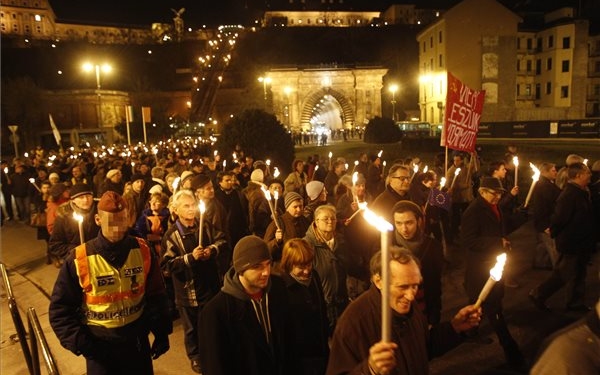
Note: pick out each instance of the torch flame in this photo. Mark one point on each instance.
(516, 161)
(268, 162)
(276, 172)
(354, 178)
(77, 217)
(330, 154)
(266, 192)
(379, 154)
(176, 182)
(201, 207)
(457, 171)
(443, 181)
(32, 180)
(536, 172)
(377, 221)
(384, 163)
(355, 162)
(585, 161)
(416, 168)
(496, 272)
(425, 169)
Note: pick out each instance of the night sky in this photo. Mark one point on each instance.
(217, 12)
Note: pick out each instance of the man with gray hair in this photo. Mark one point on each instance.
(357, 347)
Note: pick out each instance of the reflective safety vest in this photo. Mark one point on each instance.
(114, 297)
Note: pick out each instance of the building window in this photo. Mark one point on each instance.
(596, 90)
(529, 43)
(564, 91)
(597, 67)
(518, 43)
(518, 65)
(431, 42)
(529, 66)
(441, 61)
(528, 89)
(538, 44)
(548, 88)
(538, 91)
(424, 46)
(440, 37)
(549, 63)
(518, 90)
(551, 41)
(565, 66)
(566, 42)
(538, 66)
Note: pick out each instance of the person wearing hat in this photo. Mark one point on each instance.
(65, 233)
(483, 239)
(109, 295)
(293, 224)
(135, 198)
(316, 196)
(112, 182)
(192, 267)
(246, 327)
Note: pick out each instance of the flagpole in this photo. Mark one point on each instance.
(144, 125)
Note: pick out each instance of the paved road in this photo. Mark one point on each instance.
(32, 282)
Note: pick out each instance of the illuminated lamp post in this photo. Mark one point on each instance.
(393, 88)
(104, 68)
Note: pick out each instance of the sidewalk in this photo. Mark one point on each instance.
(32, 281)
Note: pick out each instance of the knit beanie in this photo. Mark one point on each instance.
(257, 175)
(80, 189)
(290, 198)
(314, 189)
(250, 250)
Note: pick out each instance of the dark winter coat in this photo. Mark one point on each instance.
(573, 223)
(233, 340)
(360, 327)
(65, 234)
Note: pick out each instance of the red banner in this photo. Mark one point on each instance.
(463, 113)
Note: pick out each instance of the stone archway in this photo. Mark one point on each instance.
(340, 97)
(327, 106)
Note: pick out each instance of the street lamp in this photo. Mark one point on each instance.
(265, 81)
(288, 90)
(105, 68)
(393, 88)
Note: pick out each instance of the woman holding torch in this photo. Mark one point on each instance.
(482, 234)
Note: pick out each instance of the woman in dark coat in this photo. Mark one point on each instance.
(307, 306)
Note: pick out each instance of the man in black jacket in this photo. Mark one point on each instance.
(543, 198)
(482, 234)
(246, 327)
(573, 227)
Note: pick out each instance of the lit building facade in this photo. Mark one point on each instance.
(528, 75)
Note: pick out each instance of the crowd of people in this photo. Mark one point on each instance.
(282, 275)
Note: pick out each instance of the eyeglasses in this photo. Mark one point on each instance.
(401, 178)
(327, 219)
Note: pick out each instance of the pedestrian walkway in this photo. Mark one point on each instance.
(32, 282)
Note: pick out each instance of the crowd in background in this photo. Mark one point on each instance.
(169, 187)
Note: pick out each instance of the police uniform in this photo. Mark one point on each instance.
(108, 296)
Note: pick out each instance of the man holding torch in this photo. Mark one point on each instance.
(357, 346)
(482, 235)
